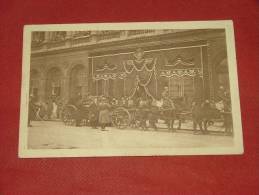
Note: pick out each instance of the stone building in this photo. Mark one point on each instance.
(192, 63)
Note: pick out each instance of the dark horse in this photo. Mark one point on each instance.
(203, 115)
(166, 111)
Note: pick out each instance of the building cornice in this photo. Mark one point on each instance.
(174, 38)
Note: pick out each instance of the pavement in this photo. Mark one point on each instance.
(55, 135)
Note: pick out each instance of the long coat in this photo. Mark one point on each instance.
(93, 112)
(197, 113)
(104, 114)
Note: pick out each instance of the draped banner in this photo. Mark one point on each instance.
(140, 74)
(136, 74)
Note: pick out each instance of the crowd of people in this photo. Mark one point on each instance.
(96, 111)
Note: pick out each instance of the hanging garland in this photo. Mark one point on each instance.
(144, 66)
(180, 72)
(179, 61)
(131, 64)
(108, 76)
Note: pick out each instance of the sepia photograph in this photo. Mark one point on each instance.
(129, 89)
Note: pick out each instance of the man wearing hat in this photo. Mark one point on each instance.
(104, 114)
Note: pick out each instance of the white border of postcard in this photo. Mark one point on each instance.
(237, 148)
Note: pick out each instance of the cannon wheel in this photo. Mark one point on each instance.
(68, 114)
(121, 118)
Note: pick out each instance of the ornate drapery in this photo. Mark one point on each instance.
(179, 72)
(108, 76)
(107, 72)
(141, 74)
(146, 73)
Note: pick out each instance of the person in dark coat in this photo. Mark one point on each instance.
(197, 116)
(179, 108)
(168, 111)
(206, 110)
(104, 113)
(78, 103)
(94, 113)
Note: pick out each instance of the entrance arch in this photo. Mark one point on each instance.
(78, 81)
(53, 82)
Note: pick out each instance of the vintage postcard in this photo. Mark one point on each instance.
(129, 89)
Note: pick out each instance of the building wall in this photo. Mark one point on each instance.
(65, 63)
(65, 60)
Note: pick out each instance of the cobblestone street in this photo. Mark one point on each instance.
(55, 135)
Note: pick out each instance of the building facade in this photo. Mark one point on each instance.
(192, 63)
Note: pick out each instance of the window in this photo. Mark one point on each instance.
(100, 87)
(58, 36)
(181, 86)
(110, 87)
(38, 37)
